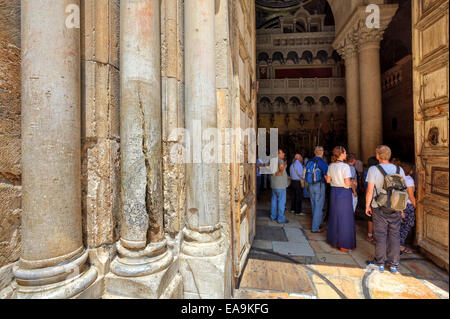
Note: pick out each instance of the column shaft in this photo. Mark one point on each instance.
(50, 134)
(203, 259)
(200, 76)
(353, 103)
(51, 220)
(142, 250)
(140, 119)
(371, 105)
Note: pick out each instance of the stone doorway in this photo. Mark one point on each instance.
(286, 100)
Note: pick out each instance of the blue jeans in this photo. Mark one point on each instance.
(278, 201)
(317, 196)
(258, 185)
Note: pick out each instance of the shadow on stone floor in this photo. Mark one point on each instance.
(329, 273)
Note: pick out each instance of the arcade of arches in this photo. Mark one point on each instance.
(90, 204)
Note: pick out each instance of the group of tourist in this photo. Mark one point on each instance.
(388, 226)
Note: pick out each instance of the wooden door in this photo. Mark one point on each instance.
(243, 117)
(431, 90)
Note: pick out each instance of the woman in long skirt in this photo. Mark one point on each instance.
(341, 221)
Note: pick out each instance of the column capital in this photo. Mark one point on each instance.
(367, 37)
(348, 48)
(357, 27)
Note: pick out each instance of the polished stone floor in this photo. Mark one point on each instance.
(288, 261)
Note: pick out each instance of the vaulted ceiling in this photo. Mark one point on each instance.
(267, 9)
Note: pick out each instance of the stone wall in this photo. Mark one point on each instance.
(398, 114)
(10, 21)
(100, 121)
(10, 143)
(172, 72)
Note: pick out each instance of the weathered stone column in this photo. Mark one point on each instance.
(370, 90)
(203, 252)
(349, 52)
(140, 270)
(364, 29)
(53, 260)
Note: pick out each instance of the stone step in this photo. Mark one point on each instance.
(110, 296)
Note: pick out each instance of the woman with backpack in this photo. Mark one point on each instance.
(341, 222)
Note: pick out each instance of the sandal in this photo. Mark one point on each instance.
(406, 251)
(370, 239)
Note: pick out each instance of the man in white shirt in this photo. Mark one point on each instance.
(386, 222)
(279, 183)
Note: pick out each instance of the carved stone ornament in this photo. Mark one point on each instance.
(433, 136)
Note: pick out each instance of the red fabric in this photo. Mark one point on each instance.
(303, 73)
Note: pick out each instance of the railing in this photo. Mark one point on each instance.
(304, 86)
(294, 39)
(393, 77)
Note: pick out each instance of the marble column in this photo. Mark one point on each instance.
(140, 270)
(53, 262)
(203, 251)
(370, 92)
(350, 53)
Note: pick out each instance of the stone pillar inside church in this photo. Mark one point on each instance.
(143, 267)
(350, 53)
(54, 262)
(358, 41)
(370, 88)
(203, 252)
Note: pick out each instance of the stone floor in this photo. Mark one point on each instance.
(290, 262)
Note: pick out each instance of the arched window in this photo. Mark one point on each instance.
(265, 104)
(263, 56)
(295, 101)
(339, 100)
(293, 56)
(278, 56)
(280, 100)
(265, 99)
(308, 56)
(324, 100)
(336, 57)
(322, 56)
(310, 100)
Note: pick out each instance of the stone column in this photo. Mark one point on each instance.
(53, 262)
(366, 33)
(349, 52)
(203, 252)
(370, 92)
(140, 270)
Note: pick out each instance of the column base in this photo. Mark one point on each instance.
(162, 284)
(64, 290)
(205, 277)
(101, 259)
(59, 282)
